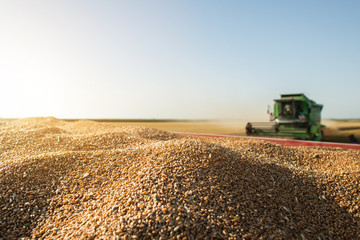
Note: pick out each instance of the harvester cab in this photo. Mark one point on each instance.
(294, 115)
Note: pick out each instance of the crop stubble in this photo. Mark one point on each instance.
(89, 180)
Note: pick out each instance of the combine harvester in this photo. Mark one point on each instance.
(295, 116)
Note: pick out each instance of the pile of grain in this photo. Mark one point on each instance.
(94, 180)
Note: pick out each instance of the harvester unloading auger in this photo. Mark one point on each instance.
(294, 116)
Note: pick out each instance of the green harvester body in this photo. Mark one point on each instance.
(294, 116)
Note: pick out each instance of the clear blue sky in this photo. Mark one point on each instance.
(176, 59)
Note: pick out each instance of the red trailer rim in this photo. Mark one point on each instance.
(285, 142)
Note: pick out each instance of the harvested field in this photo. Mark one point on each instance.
(340, 130)
(89, 180)
(334, 130)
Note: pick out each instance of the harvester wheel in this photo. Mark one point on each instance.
(318, 136)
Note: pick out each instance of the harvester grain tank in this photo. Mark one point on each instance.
(294, 116)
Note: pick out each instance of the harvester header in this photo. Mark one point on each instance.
(294, 115)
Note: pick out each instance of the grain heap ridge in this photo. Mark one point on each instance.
(91, 180)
